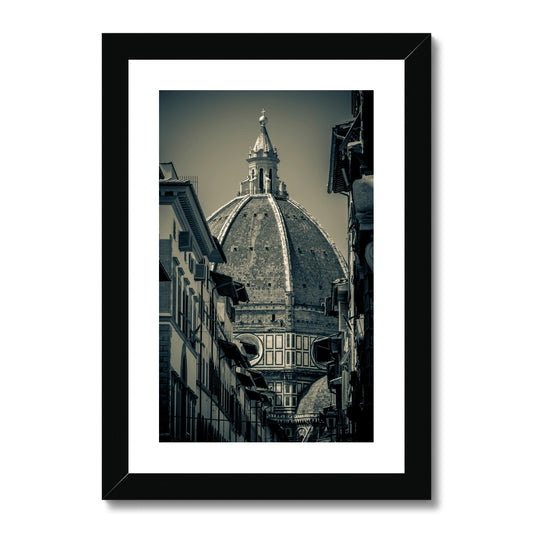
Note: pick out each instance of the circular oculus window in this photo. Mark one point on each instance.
(252, 347)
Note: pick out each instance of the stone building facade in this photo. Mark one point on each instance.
(352, 364)
(287, 263)
(207, 388)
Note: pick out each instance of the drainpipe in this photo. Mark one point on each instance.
(200, 372)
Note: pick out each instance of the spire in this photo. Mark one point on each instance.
(263, 140)
(263, 165)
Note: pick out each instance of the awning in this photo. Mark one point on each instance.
(226, 286)
(241, 292)
(163, 274)
(254, 395)
(244, 379)
(259, 379)
(249, 348)
(231, 350)
(326, 348)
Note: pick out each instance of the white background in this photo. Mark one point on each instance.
(50, 283)
(386, 453)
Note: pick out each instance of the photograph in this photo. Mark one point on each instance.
(266, 266)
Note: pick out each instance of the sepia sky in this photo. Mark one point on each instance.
(208, 134)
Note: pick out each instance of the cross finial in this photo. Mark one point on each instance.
(263, 111)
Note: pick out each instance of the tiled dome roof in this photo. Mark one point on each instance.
(316, 398)
(275, 246)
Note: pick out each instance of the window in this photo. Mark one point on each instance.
(287, 401)
(306, 359)
(270, 358)
(184, 310)
(279, 358)
(176, 296)
(299, 358)
(273, 316)
(278, 400)
(278, 386)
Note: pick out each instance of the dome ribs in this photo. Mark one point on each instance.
(231, 217)
(312, 254)
(284, 243)
(217, 219)
(281, 253)
(330, 242)
(253, 246)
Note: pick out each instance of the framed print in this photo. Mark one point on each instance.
(267, 352)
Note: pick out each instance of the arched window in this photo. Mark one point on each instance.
(270, 183)
(261, 185)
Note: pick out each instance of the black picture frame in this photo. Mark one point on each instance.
(118, 483)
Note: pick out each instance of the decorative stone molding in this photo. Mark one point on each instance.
(284, 243)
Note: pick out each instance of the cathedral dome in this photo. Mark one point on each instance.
(272, 243)
(287, 262)
(276, 248)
